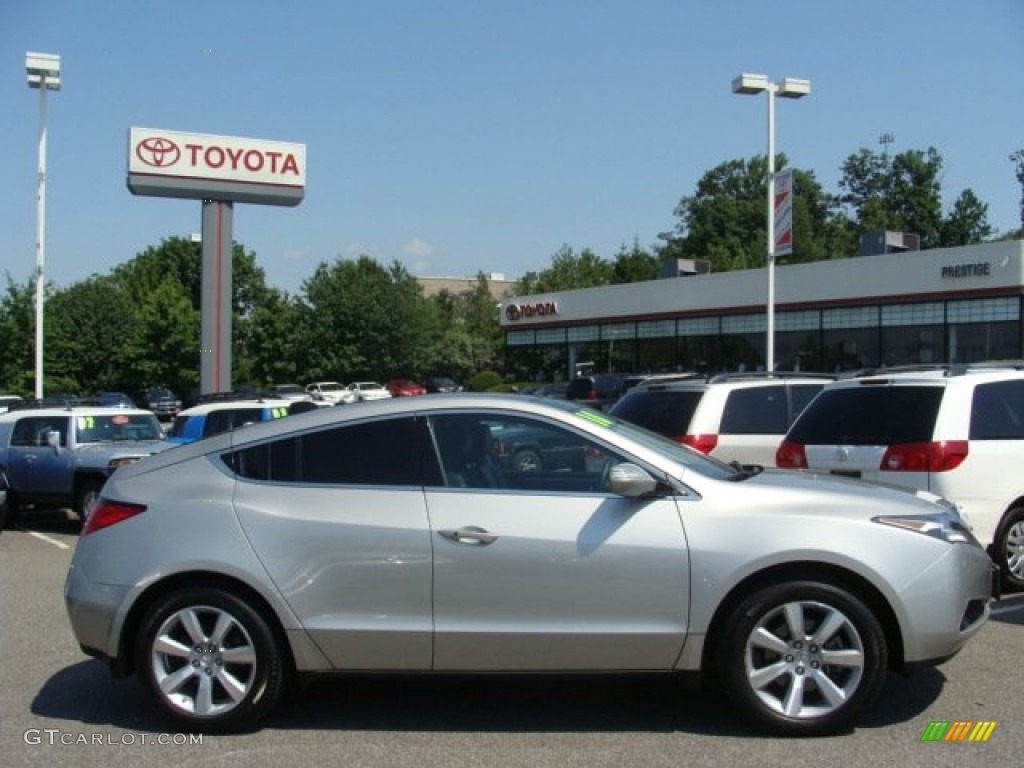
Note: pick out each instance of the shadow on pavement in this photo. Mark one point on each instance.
(85, 693)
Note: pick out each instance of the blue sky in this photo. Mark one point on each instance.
(459, 136)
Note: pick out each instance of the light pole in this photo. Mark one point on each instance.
(789, 88)
(43, 71)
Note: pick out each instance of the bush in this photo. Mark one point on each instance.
(484, 381)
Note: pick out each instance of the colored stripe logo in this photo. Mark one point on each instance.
(958, 730)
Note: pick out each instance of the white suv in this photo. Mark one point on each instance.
(957, 431)
(738, 417)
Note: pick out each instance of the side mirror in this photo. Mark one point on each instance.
(53, 439)
(631, 481)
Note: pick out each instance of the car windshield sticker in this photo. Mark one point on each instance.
(597, 418)
(86, 422)
(278, 413)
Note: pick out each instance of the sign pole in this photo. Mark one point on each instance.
(216, 305)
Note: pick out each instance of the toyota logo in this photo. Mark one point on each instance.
(158, 152)
(513, 313)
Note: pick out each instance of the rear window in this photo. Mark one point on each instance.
(667, 413)
(869, 415)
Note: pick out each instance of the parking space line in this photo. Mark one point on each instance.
(47, 539)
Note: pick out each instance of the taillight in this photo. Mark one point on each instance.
(939, 456)
(702, 443)
(108, 512)
(791, 455)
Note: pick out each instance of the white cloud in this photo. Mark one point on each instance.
(418, 249)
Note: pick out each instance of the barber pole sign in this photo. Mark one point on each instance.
(783, 213)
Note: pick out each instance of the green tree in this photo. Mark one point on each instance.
(568, 271)
(725, 220)
(17, 338)
(164, 348)
(967, 223)
(901, 192)
(634, 265)
(87, 326)
(365, 320)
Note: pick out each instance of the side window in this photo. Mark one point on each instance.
(31, 432)
(229, 419)
(388, 452)
(997, 411)
(799, 396)
(755, 411)
(486, 451)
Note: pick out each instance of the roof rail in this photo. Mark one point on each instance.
(949, 369)
(227, 397)
(36, 403)
(740, 375)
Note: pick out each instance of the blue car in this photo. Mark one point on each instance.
(214, 418)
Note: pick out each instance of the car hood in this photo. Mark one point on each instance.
(824, 494)
(124, 448)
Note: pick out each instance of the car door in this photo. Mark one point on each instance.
(36, 469)
(338, 518)
(545, 570)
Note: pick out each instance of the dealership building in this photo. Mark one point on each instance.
(902, 307)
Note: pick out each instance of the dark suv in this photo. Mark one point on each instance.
(160, 401)
(599, 390)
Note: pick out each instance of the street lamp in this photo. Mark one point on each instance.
(43, 71)
(789, 88)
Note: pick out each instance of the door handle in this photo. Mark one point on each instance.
(469, 534)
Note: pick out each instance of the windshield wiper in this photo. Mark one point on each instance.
(744, 471)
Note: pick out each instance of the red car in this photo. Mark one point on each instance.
(404, 388)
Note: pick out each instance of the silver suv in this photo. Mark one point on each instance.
(738, 417)
(957, 431)
(62, 455)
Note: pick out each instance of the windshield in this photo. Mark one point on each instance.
(670, 449)
(118, 428)
(330, 387)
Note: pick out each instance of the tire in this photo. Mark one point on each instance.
(87, 497)
(795, 683)
(211, 662)
(1009, 550)
(9, 511)
(527, 460)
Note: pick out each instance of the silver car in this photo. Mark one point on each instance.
(394, 537)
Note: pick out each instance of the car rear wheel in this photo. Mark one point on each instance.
(9, 511)
(1010, 550)
(88, 497)
(212, 662)
(527, 460)
(803, 658)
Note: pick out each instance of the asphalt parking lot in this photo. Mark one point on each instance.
(62, 708)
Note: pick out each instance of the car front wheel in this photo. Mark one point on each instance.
(212, 662)
(803, 658)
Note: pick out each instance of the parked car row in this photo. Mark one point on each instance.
(953, 430)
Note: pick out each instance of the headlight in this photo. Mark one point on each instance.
(122, 461)
(946, 525)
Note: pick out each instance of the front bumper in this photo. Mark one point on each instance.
(948, 604)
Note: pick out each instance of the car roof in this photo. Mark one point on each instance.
(234, 405)
(933, 375)
(73, 410)
(691, 382)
